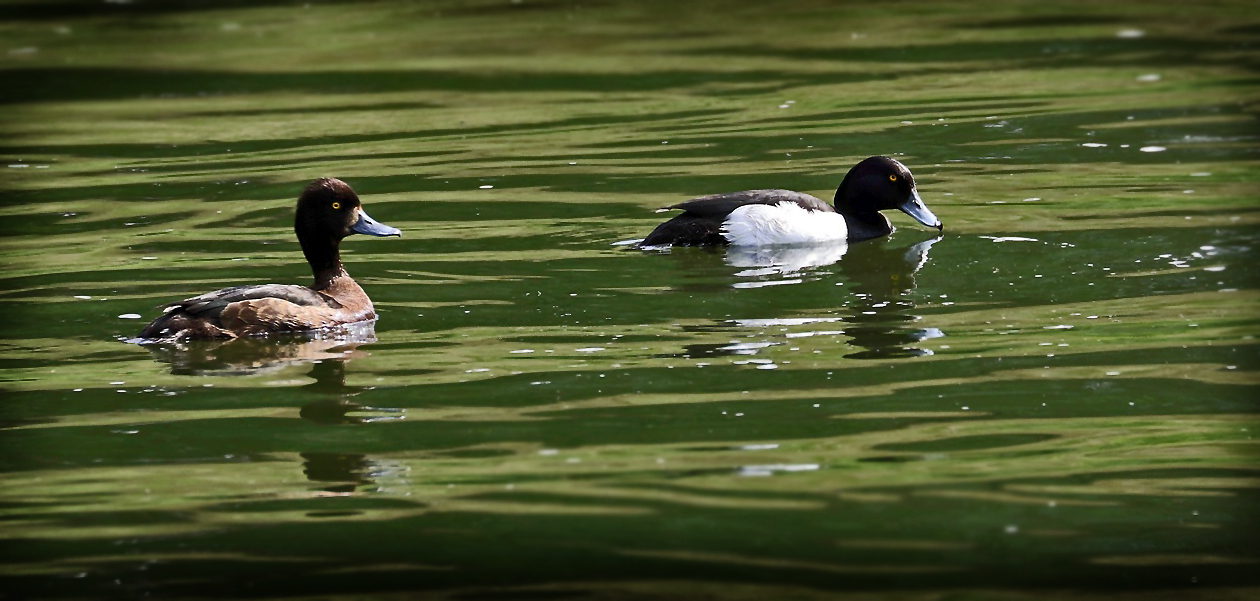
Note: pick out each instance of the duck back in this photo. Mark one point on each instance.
(703, 219)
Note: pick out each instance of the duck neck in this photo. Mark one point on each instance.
(324, 257)
(864, 226)
(862, 222)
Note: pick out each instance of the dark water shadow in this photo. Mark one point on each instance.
(1022, 54)
(466, 555)
(62, 10)
(53, 84)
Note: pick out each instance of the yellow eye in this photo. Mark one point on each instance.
(336, 205)
(892, 177)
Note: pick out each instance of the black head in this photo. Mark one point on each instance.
(878, 184)
(329, 210)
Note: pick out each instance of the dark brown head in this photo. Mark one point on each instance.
(328, 211)
(880, 183)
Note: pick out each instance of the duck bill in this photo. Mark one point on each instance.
(372, 227)
(914, 207)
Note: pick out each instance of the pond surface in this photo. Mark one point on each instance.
(1058, 393)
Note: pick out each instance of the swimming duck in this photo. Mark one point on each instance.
(327, 212)
(763, 217)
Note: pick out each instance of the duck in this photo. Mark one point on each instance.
(328, 211)
(773, 217)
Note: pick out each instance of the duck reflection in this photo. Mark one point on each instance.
(881, 278)
(337, 406)
(248, 356)
(879, 275)
(344, 472)
(333, 404)
(769, 261)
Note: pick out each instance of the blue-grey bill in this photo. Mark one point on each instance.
(915, 208)
(372, 227)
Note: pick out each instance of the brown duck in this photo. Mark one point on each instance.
(327, 211)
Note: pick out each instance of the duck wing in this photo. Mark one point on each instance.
(721, 205)
(238, 310)
(211, 304)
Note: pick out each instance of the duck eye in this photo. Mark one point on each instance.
(336, 205)
(892, 177)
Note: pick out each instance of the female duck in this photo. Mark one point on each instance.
(327, 211)
(762, 217)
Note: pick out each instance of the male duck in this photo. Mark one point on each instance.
(762, 217)
(327, 211)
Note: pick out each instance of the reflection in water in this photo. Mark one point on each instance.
(781, 260)
(328, 354)
(880, 279)
(336, 407)
(252, 356)
(348, 470)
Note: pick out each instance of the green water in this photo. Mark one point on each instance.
(1056, 397)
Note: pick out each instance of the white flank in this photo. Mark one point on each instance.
(783, 223)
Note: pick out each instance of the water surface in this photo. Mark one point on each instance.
(1056, 394)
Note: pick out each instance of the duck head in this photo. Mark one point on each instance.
(329, 209)
(880, 183)
(327, 212)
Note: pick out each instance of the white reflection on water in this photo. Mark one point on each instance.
(774, 260)
(769, 470)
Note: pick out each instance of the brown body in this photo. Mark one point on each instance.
(328, 211)
(346, 302)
